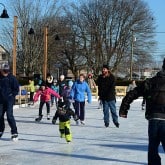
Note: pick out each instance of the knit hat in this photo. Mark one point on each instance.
(106, 66)
(163, 66)
(70, 83)
(5, 66)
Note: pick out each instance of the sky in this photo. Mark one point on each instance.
(157, 7)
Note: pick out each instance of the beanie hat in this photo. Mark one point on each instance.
(106, 66)
(163, 66)
(70, 83)
(5, 67)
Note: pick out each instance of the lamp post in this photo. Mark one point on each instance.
(4, 13)
(15, 45)
(45, 52)
(131, 58)
(31, 31)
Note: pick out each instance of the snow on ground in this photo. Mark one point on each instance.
(40, 144)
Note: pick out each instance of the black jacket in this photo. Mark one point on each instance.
(155, 101)
(64, 114)
(106, 87)
(9, 88)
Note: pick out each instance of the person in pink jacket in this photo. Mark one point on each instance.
(45, 97)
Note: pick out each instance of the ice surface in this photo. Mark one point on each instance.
(93, 144)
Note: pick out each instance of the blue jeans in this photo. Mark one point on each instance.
(7, 106)
(112, 106)
(156, 133)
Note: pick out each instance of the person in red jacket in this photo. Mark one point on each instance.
(45, 98)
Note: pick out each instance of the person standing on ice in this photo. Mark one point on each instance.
(79, 88)
(45, 98)
(106, 93)
(153, 90)
(64, 114)
(9, 88)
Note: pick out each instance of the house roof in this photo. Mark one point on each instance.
(2, 49)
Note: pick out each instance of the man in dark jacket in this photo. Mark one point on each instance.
(153, 90)
(9, 88)
(106, 93)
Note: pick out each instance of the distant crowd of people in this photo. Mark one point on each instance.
(69, 99)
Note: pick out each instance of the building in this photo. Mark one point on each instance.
(4, 55)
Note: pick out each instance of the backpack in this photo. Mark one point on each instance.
(158, 91)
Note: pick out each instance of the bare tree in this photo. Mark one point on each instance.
(105, 29)
(31, 14)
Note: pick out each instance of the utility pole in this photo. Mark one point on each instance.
(45, 52)
(133, 39)
(15, 45)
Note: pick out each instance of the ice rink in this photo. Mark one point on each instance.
(93, 144)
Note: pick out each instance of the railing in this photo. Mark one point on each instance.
(120, 91)
(22, 97)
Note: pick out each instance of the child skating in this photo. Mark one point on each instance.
(64, 114)
(45, 98)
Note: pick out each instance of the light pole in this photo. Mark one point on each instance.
(15, 31)
(133, 39)
(15, 45)
(45, 52)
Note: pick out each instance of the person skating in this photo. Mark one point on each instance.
(9, 88)
(78, 91)
(31, 89)
(64, 113)
(45, 97)
(106, 93)
(153, 91)
(55, 87)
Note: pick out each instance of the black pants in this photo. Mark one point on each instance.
(156, 133)
(41, 107)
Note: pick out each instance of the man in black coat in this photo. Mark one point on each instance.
(9, 88)
(153, 90)
(106, 93)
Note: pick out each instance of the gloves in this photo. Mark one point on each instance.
(88, 101)
(53, 121)
(124, 110)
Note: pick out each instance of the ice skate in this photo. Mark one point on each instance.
(48, 116)
(39, 118)
(14, 137)
(82, 122)
(1, 133)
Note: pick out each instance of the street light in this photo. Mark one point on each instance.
(15, 44)
(4, 13)
(131, 58)
(45, 63)
(31, 31)
(45, 52)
